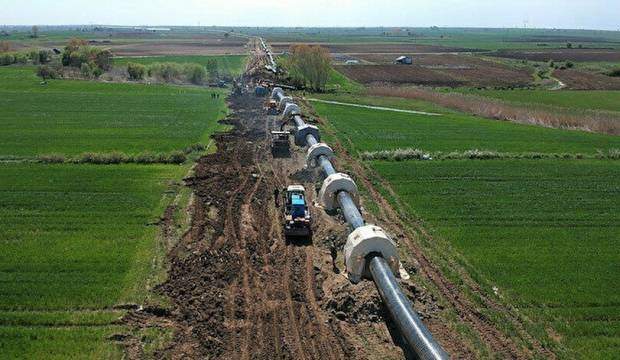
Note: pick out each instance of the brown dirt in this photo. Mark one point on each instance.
(475, 73)
(365, 48)
(160, 48)
(584, 80)
(561, 55)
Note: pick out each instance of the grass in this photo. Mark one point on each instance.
(233, 64)
(374, 130)
(76, 240)
(72, 117)
(75, 237)
(544, 231)
(579, 100)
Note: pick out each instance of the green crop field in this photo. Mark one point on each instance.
(580, 100)
(71, 117)
(233, 64)
(371, 130)
(76, 240)
(545, 232)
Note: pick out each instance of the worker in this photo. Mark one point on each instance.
(276, 196)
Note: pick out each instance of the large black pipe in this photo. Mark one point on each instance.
(415, 334)
(417, 338)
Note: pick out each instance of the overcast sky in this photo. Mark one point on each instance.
(587, 14)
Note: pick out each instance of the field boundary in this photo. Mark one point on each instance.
(373, 107)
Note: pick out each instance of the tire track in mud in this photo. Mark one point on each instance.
(239, 290)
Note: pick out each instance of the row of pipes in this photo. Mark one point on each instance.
(272, 66)
(369, 251)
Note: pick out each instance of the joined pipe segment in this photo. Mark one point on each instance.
(416, 336)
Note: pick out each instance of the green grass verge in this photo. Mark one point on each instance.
(72, 117)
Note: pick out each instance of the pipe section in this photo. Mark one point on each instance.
(415, 334)
(417, 338)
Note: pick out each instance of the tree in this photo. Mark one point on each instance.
(196, 73)
(35, 31)
(310, 65)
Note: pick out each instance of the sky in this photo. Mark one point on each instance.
(572, 14)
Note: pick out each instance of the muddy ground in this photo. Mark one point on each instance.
(239, 290)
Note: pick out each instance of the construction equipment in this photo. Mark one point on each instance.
(297, 220)
(280, 144)
(272, 107)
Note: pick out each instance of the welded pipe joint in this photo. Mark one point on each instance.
(277, 94)
(284, 101)
(291, 110)
(362, 243)
(332, 186)
(305, 130)
(316, 150)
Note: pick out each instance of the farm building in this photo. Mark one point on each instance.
(352, 62)
(405, 60)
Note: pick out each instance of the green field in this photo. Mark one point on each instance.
(233, 64)
(71, 117)
(579, 100)
(75, 242)
(372, 130)
(78, 240)
(545, 232)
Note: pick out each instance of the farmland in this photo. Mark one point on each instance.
(79, 240)
(577, 100)
(522, 225)
(47, 119)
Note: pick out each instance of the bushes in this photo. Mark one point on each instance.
(77, 53)
(47, 72)
(7, 59)
(175, 72)
(136, 71)
(116, 157)
(416, 154)
(615, 72)
(310, 65)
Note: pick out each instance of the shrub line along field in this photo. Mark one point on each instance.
(523, 224)
(79, 240)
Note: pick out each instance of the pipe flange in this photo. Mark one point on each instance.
(285, 100)
(291, 110)
(366, 240)
(277, 93)
(305, 130)
(332, 186)
(317, 150)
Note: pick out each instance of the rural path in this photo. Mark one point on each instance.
(373, 107)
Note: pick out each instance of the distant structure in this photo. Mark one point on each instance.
(404, 60)
(352, 62)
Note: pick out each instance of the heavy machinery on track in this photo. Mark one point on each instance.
(297, 220)
(280, 144)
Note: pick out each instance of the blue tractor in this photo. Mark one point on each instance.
(297, 220)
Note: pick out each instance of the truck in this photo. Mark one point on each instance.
(297, 220)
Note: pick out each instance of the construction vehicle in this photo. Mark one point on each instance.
(280, 143)
(297, 221)
(272, 107)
